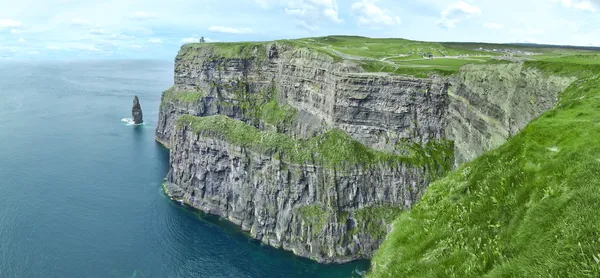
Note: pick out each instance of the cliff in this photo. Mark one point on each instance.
(526, 209)
(327, 198)
(376, 109)
(310, 153)
(491, 103)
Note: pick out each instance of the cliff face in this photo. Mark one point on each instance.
(491, 103)
(315, 208)
(329, 214)
(377, 110)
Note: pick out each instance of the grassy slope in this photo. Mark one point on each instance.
(527, 209)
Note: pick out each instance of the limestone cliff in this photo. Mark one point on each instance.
(288, 180)
(491, 103)
(376, 109)
(314, 206)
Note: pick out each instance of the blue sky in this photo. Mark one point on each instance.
(70, 29)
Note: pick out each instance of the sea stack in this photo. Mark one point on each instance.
(136, 111)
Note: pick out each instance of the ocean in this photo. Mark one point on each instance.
(80, 188)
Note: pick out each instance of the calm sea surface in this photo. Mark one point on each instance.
(80, 189)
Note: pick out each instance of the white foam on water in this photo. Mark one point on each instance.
(129, 121)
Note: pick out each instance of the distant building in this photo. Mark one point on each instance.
(201, 39)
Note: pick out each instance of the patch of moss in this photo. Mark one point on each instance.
(281, 117)
(263, 106)
(182, 96)
(314, 215)
(376, 218)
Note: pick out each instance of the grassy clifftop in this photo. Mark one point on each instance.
(394, 56)
(527, 209)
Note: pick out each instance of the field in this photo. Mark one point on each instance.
(406, 57)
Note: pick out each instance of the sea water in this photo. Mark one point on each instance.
(80, 187)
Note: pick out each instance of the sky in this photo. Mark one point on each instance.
(156, 29)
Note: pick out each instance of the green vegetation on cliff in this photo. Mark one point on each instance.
(223, 50)
(315, 216)
(376, 218)
(527, 209)
(263, 106)
(334, 148)
(187, 96)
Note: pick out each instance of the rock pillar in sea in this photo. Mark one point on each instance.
(136, 111)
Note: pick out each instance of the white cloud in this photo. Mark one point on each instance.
(583, 5)
(229, 30)
(493, 26)
(119, 36)
(10, 23)
(97, 31)
(33, 53)
(311, 13)
(371, 14)
(262, 3)
(306, 26)
(71, 46)
(457, 12)
(141, 15)
(155, 40)
(14, 31)
(21, 40)
(135, 46)
(79, 22)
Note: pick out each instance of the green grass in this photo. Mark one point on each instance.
(375, 219)
(527, 209)
(441, 63)
(315, 216)
(375, 49)
(223, 50)
(382, 48)
(185, 96)
(334, 148)
(281, 117)
(420, 69)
